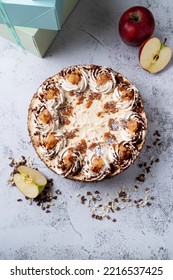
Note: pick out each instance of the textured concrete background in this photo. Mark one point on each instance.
(90, 35)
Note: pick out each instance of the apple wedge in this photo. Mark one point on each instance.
(154, 55)
(29, 181)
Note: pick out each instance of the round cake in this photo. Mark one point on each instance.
(87, 122)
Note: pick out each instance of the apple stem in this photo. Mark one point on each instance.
(164, 41)
(134, 18)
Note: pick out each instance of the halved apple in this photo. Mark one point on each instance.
(154, 55)
(29, 181)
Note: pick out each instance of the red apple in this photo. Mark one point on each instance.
(154, 55)
(136, 25)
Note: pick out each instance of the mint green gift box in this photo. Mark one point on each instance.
(42, 14)
(35, 40)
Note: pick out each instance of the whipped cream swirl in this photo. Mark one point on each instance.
(52, 97)
(44, 128)
(98, 160)
(125, 154)
(125, 96)
(68, 162)
(74, 79)
(54, 104)
(60, 143)
(128, 134)
(102, 80)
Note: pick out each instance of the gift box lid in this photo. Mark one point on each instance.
(45, 14)
(35, 40)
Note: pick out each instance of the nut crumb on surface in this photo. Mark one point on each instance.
(103, 206)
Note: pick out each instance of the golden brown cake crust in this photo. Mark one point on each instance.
(87, 123)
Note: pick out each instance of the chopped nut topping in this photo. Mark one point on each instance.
(113, 124)
(45, 116)
(80, 99)
(97, 164)
(74, 77)
(51, 141)
(124, 152)
(68, 160)
(82, 146)
(92, 145)
(109, 138)
(127, 93)
(50, 94)
(92, 96)
(71, 134)
(67, 111)
(103, 78)
(100, 114)
(133, 126)
(64, 120)
(111, 106)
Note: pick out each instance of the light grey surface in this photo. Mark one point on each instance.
(26, 232)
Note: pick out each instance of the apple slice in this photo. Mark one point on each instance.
(154, 55)
(29, 181)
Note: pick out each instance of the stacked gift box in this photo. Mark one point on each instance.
(33, 24)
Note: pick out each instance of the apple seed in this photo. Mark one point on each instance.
(156, 57)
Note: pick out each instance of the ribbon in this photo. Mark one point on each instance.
(8, 23)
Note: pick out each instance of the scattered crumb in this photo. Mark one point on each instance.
(141, 178)
(105, 206)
